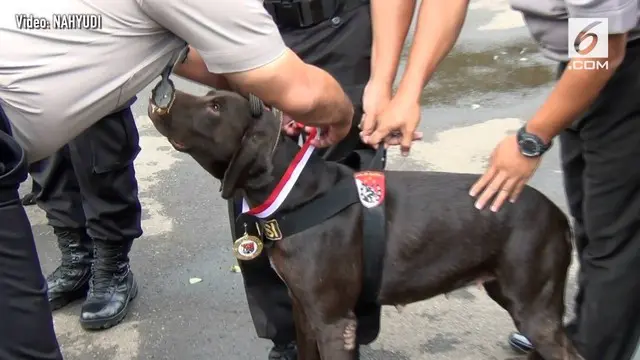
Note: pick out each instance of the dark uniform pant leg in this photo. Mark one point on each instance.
(102, 159)
(26, 324)
(59, 194)
(267, 295)
(91, 183)
(602, 178)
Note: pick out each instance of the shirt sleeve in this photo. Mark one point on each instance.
(622, 14)
(230, 35)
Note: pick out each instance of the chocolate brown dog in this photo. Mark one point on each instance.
(436, 241)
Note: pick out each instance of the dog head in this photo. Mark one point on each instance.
(222, 134)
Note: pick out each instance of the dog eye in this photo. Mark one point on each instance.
(215, 106)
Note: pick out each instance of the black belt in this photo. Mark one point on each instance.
(305, 13)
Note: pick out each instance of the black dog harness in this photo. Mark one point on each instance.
(366, 187)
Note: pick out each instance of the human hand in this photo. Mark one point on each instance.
(506, 176)
(327, 136)
(396, 124)
(291, 127)
(375, 98)
(332, 134)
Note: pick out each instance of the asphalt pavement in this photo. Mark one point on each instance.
(488, 86)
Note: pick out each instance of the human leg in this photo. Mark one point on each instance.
(61, 201)
(26, 329)
(605, 201)
(102, 159)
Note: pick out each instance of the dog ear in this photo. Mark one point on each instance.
(251, 165)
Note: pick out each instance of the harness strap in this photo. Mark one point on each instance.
(374, 233)
(308, 215)
(344, 194)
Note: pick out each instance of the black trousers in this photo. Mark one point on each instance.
(34, 168)
(344, 50)
(26, 324)
(601, 162)
(90, 182)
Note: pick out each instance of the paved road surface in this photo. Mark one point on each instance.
(493, 81)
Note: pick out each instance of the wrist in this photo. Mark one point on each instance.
(540, 130)
(381, 81)
(409, 93)
(530, 144)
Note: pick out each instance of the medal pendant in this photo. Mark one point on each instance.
(248, 247)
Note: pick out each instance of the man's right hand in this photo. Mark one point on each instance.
(303, 91)
(333, 133)
(327, 136)
(396, 124)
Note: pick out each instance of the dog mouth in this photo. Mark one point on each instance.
(178, 145)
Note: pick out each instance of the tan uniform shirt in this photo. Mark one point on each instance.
(55, 82)
(547, 20)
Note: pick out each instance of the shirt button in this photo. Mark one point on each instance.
(336, 21)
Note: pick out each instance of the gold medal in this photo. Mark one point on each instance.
(248, 247)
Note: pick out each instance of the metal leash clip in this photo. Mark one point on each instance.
(164, 93)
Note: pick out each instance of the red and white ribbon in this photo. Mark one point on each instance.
(290, 177)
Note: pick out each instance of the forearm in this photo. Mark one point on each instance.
(305, 92)
(390, 25)
(328, 103)
(194, 68)
(574, 92)
(439, 25)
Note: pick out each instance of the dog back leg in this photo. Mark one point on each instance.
(305, 336)
(534, 294)
(337, 340)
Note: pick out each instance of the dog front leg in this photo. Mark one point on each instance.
(305, 336)
(337, 341)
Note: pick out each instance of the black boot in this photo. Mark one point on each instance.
(284, 352)
(29, 199)
(112, 286)
(70, 281)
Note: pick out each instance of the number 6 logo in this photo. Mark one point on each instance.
(583, 35)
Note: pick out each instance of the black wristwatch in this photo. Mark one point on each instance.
(530, 144)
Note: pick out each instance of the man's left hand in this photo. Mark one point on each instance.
(506, 176)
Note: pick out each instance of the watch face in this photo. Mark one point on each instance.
(529, 147)
(162, 94)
